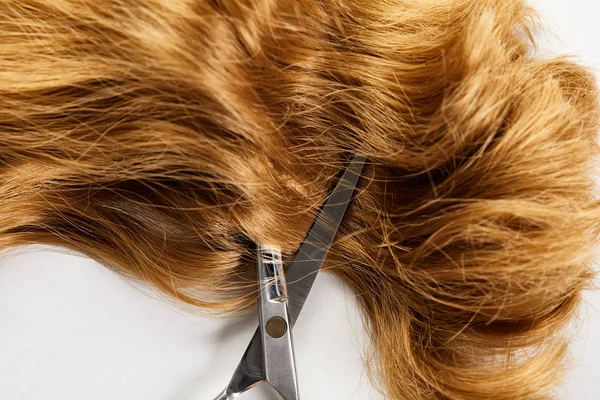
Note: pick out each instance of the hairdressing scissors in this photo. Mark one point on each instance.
(269, 357)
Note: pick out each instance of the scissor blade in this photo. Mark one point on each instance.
(278, 351)
(312, 252)
(302, 272)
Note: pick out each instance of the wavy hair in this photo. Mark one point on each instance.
(160, 137)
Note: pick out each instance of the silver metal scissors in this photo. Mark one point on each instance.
(269, 357)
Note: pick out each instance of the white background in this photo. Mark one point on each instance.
(70, 329)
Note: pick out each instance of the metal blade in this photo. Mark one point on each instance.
(314, 249)
(278, 357)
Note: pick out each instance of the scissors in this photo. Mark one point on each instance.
(269, 357)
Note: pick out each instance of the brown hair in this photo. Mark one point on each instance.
(161, 136)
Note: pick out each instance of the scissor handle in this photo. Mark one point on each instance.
(223, 396)
(275, 327)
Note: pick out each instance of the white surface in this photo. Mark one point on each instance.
(575, 30)
(71, 329)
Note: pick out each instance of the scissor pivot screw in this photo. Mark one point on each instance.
(276, 327)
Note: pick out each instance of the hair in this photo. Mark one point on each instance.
(160, 137)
